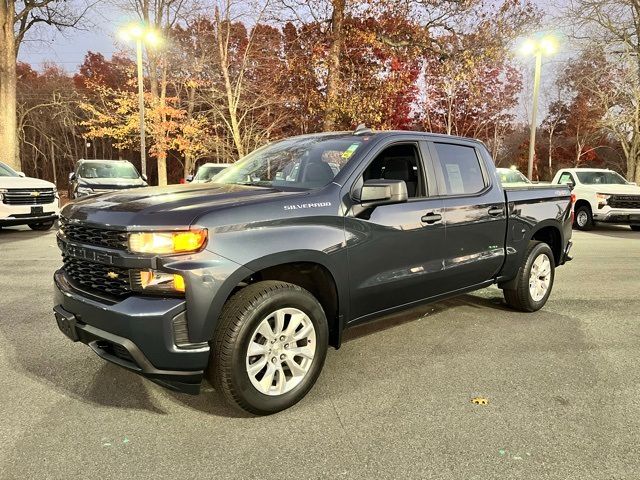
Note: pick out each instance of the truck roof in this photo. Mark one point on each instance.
(387, 133)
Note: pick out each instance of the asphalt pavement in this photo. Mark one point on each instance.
(562, 386)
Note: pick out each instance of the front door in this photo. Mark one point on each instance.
(396, 252)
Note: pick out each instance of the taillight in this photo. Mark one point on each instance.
(573, 202)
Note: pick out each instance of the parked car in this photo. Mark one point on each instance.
(206, 172)
(100, 176)
(27, 201)
(249, 280)
(512, 177)
(601, 196)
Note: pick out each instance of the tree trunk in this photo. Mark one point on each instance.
(333, 75)
(8, 81)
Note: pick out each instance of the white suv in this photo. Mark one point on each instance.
(601, 196)
(25, 200)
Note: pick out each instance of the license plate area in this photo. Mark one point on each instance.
(66, 323)
(39, 210)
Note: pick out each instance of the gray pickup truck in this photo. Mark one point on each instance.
(248, 279)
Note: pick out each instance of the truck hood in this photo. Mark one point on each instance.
(114, 183)
(24, 182)
(612, 189)
(172, 206)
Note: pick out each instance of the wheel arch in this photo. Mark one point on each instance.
(312, 271)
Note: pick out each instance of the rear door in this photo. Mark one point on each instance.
(474, 213)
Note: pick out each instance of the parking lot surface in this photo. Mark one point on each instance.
(562, 384)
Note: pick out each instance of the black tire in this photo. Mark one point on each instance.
(241, 315)
(520, 297)
(583, 212)
(42, 226)
(635, 228)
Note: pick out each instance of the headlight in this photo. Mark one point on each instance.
(167, 242)
(602, 199)
(153, 281)
(84, 191)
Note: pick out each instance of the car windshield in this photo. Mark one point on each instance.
(206, 172)
(6, 171)
(299, 162)
(108, 170)
(601, 178)
(512, 176)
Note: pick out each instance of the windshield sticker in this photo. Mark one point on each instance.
(350, 151)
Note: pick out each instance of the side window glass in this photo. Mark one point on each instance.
(460, 168)
(566, 178)
(399, 162)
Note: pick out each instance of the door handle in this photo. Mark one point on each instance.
(496, 211)
(431, 218)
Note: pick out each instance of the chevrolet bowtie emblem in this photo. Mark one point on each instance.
(112, 275)
(35, 194)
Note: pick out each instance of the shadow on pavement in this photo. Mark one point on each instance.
(613, 231)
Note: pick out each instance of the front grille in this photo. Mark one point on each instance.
(29, 196)
(101, 237)
(624, 201)
(97, 277)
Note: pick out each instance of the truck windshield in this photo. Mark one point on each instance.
(108, 170)
(6, 171)
(302, 163)
(601, 178)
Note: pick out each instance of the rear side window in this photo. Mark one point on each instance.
(460, 168)
(565, 178)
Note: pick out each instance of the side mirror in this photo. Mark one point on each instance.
(72, 176)
(144, 177)
(571, 185)
(382, 192)
(189, 178)
(21, 174)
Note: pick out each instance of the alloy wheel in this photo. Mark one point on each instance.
(540, 277)
(281, 351)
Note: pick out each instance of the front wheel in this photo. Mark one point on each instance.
(583, 218)
(269, 347)
(42, 226)
(534, 281)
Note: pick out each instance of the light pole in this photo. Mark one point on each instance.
(537, 47)
(141, 34)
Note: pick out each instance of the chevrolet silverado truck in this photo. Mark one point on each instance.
(601, 196)
(27, 201)
(248, 279)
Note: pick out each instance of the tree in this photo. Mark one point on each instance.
(612, 29)
(17, 19)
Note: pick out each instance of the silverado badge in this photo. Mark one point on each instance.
(35, 194)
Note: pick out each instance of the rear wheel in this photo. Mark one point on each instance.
(583, 218)
(269, 347)
(635, 228)
(534, 282)
(42, 226)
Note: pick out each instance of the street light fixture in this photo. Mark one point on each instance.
(141, 34)
(537, 47)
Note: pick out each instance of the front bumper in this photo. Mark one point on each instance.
(136, 333)
(24, 214)
(622, 216)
